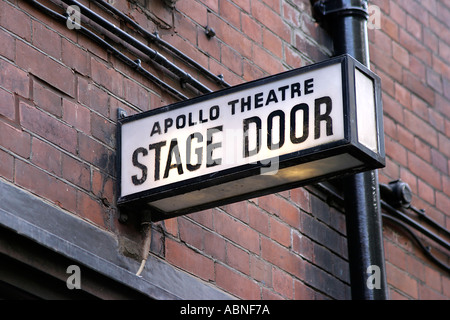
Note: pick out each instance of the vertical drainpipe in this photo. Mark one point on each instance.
(346, 22)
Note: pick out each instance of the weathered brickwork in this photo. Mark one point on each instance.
(411, 54)
(59, 93)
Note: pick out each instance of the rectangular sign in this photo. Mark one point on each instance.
(261, 136)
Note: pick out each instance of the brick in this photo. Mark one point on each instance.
(236, 283)
(189, 260)
(395, 151)
(103, 186)
(302, 291)
(96, 153)
(46, 40)
(423, 150)
(261, 270)
(402, 281)
(8, 47)
(205, 217)
(320, 209)
(75, 57)
(321, 233)
(282, 257)
(7, 166)
(238, 259)
(251, 28)
(406, 137)
(90, 209)
(278, 206)
(48, 127)
(439, 161)
(258, 219)
(76, 172)
(7, 105)
(103, 129)
(47, 69)
(230, 12)
(252, 72)
(47, 99)
(282, 283)
(231, 36)
(414, 27)
(400, 54)
(196, 11)
(421, 128)
(136, 95)
(209, 45)
(442, 202)
(215, 246)
(389, 66)
(106, 77)
(243, 4)
(15, 21)
(231, 59)
(424, 170)
(14, 79)
(434, 80)
(272, 43)
(190, 233)
(238, 210)
(236, 231)
(426, 192)
(293, 57)
(291, 15)
(45, 185)
(93, 97)
(77, 116)
(280, 232)
(323, 281)
(302, 245)
(263, 13)
(15, 140)
(46, 156)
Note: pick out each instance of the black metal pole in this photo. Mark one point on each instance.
(346, 21)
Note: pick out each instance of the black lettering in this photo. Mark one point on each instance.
(246, 125)
(270, 144)
(198, 151)
(246, 103)
(137, 181)
(309, 86)
(295, 89)
(173, 150)
(156, 129)
(214, 113)
(271, 97)
(157, 147)
(210, 146)
(167, 124)
(180, 121)
(200, 116)
(304, 107)
(259, 100)
(283, 92)
(232, 104)
(322, 117)
(191, 123)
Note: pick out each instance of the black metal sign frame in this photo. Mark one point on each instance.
(350, 145)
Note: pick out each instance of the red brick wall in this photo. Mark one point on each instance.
(59, 93)
(411, 53)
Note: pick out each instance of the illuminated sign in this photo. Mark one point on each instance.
(268, 135)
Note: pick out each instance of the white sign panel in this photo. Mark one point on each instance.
(260, 124)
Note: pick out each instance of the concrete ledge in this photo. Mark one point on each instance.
(74, 238)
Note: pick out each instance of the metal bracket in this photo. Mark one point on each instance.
(121, 113)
